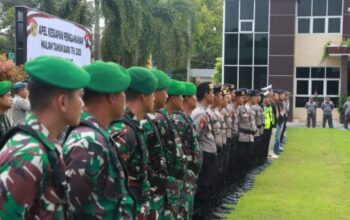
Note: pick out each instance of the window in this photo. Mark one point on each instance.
(317, 81)
(246, 26)
(319, 16)
(246, 43)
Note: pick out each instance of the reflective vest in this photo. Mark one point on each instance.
(268, 115)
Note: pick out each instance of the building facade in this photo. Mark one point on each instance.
(291, 44)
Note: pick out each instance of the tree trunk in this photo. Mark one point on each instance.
(97, 31)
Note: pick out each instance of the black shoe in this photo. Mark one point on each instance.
(215, 216)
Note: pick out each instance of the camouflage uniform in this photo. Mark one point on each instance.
(4, 125)
(189, 137)
(27, 187)
(97, 187)
(157, 167)
(133, 149)
(176, 162)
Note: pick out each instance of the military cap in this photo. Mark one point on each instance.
(56, 72)
(251, 92)
(19, 85)
(176, 88)
(5, 87)
(229, 87)
(217, 88)
(142, 80)
(162, 78)
(239, 92)
(190, 89)
(107, 77)
(244, 91)
(203, 88)
(257, 93)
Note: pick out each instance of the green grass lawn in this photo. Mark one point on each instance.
(310, 180)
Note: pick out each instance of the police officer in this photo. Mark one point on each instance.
(189, 137)
(218, 124)
(207, 144)
(175, 157)
(246, 129)
(131, 139)
(259, 123)
(97, 179)
(327, 107)
(21, 103)
(32, 171)
(311, 112)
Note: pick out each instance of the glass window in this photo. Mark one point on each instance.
(317, 87)
(230, 75)
(246, 26)
(304, 25)
(247, 9)
(302, 87)
(334, 25)
(333, 72)
(261, 15)
(319, 8)
(245, 77)
(317, 72)
(319, 25)
(304, 8)
(260, 77)
(261, 52)
(301, 101)
(231, 43)
(231, 16)
(246, 49)
(303, 72)
(332, 87)
(334, 7)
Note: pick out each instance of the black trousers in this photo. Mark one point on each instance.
(311, 117)
(329, 119)
(284, 129)
(205, 185)
(266, 142)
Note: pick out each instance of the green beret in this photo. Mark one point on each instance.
(163, 79)
(142, 80)
(190, 89)
(176, 88)
(5, 87)
(56, 72)
(107, 77)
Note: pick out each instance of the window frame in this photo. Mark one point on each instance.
(326, 17)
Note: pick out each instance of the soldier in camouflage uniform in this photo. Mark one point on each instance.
(5, 104)
(175, 157)
(97, 179)
(32, 183)
(128, 133)
(157, 163)
(189, 137)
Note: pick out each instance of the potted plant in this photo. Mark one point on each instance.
(342, 100)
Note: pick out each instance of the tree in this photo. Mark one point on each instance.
(208, 33)
(218, 71)
(137, 29)
(79, 11)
